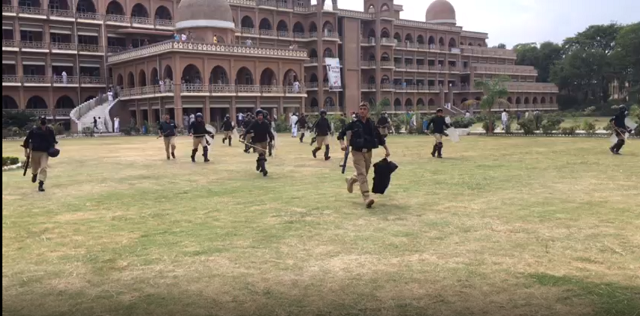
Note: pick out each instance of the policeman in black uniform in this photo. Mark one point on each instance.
(619, 129)
(198, 131)
(322, 128)
(227, 128)
(41, 140)
(262, 136)
(439, 124)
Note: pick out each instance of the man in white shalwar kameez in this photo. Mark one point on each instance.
(294, 125)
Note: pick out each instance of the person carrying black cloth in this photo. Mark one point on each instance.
(302, 126)
(619, 129)
(246, 133)
(262, 136)
(198, 130)
(439, 124)
(364, 138)
(322, 127)
(383, 124)
(167, 130)
(41, 140)
(227, 128)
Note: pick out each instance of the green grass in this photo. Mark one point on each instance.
(501, 226)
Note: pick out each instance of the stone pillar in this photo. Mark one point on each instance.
(441, 96)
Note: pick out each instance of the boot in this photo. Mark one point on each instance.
(246, 148)
(229, 141)
(326, 153)
(34, 178)
(369, 203)
(173, 154)
(41, 186)
(315, 151)
(619, 146)
(264, 167)
(206, 154)
(258, 166)
(224, 139)
(440, 151)
(313, 140)
(270, 149)
(193, 155)
(350, 184)
(301, 137)
(433, 152)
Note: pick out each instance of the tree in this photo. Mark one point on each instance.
(541, 58)
(626, 59)
(502, 46)
(495, 94)
(19, 119)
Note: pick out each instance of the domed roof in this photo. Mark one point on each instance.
(441, 11)
(204, 13)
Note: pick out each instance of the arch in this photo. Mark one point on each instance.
(408, 38)
(167, 72)
(397, 37)
(142, 78)
(420, 39)
(36, 102)
(385, 57)
(479, 45)
(535, 100)
(408, 103)
(218, 75)
(372, 56)
(470, 44)
(58, 5)
(313, 78)
(313, 28)
(268, 77)
(265, 24)
(551, 100)
(329, 102)
(432, 40)
(431, 102)
(441, 41)
(526, 100)
(244, 76)
(298, 28)
(518, 100)
(510, 100)
(247, 22)
(139, 11)
(120, 81)
(397, 102)
(115, 8)
(314, 103)
(313, 53)
(327, 27)
(384, 8)
(163, 13)
(65, 102)
(290, 76)
(386, 101)
(191, 73)
(282, 26)
(420, 102)
(328, 52)
(461, 43)
(543, 100)
(385, 79)
(153, 76)
(384, 33)
(371, 34)
(9, 103)
(371, 9)
(131, 80)
(452, 43)
(86, 6)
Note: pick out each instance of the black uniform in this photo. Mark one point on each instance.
(322, 128)
(439, 124)
(620, 127)
(40, 140)
(262, 136)
(245, 126)
(227, 127)
(167, 129)
(364, 135)
(302, 126)
(198, 130)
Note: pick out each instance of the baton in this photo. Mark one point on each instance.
(26, 163)
(346, 153)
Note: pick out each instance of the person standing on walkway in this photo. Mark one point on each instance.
(365, 137)
(167, 130)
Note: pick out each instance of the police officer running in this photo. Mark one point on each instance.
(619, 128)
(227, 127)
(42, 141)
(262, 136)
(198, 130)
(167, 130)
(364, 138)
(322, 128)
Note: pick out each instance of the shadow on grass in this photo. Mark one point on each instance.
(610, 299)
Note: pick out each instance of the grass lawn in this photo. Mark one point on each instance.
(501, 226)
(600, 122)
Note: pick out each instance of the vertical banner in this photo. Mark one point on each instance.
(333, 73)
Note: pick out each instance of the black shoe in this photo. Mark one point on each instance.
(223, 139)
(265, 172)
(41, 186)
(173, 154)
(612, 150)
(258, 168)
(314, 152)
(327, 158)
(168, 157)
(440, 156)
(34, 178)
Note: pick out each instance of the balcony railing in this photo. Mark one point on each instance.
(387, 86)
(164, 23)
(10, 79)
(367, 64)
(215, 89)
(64, 46)
(367, 86)
(313, 34)
(505, 69)
(34, 45)
(272, 89)
(63, 112)
(32, 11)
(266, 3)
(9, 9)
(368, 41)
(89, 16)
(62, 14)
(36, 79)
(485, 51)
(90, 48)
(388, 41)
(117, 18)
(90, 80)
(9, 43)
(68, 80)
(247, 30)
(116, 49)
(356, 14)
(267, 33)
(312, 85)
(532, 87)
(248, 89)
(386, 63)
(141, 20)
(331, 34)
(311, 61)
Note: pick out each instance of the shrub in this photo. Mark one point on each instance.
(13, 132)
(10, 161)
(19, 119)
(489, 123)
(58, 129)
(571, 130)
(528, 125)
(588, 127)
(87, 131)
(463, 122)
(537, 120)
(282, 127)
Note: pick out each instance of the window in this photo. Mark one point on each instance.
(82, 7)
(56, 38)
(32, 71)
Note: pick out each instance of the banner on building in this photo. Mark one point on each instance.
(333, 73)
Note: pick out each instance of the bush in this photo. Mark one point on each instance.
(537, 120)
(551, 123)
(13, 132)
(528, 125)
(463, 122)
(10, 161)
(571, 130)
(88, 131)
(58, 129)
(489, 123)
(588, 127)
(20, 119)
(282, 127)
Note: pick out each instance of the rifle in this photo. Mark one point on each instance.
(346, 153)
(26, 164)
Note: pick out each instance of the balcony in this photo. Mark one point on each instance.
(531, 87)
(367, 41)
(120, 19)
(388, 41)
(311, 85)
(368, 87)
(141, 21)
(64, 14)
(62, 112)
(331, 35)
(491, 52)
(200, 89)
(387, 64)
(55, 46)
(32, 11)
(89, 16)
(92, 81)
(387, 86)
(367, 64)
(9, 9)
(270, 33)
(248, 30)
(10, 80)
(87, 48)
(164, 23)
(34, 45)
(504, 69)
(313, 61)
(65, 81)
(10, 44)
(284, 34)
(36, 80)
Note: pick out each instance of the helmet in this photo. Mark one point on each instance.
(323, 112)
(227, 117)
(384, 112)
(199, 115)
(259, 112)
(53, 152)
(622, 109)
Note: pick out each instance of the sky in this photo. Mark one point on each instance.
(524, 21)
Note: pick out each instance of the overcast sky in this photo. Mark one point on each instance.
(522, 21)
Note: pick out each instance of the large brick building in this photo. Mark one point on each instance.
(244, 54)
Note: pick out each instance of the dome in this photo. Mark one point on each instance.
(441, 11)
(204, 13)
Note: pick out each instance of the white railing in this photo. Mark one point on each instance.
(60, 80)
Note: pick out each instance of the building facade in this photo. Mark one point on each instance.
(246, 54)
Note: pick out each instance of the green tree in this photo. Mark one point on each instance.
(542, 58)
(502, 46)
(495, 94)
(19, 119)
(626, 59)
